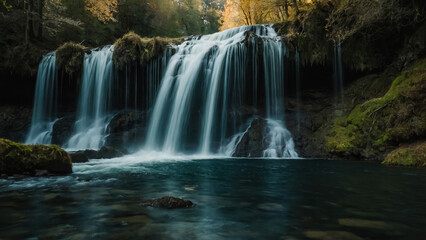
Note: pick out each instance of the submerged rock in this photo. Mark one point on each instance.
(364, 223)
(16, 158)
(332, 235)
(41, 173)
(168, 203)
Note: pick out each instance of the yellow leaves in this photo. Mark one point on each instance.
(6, 5)
(249, 12)
(103, 10)
(231, 17)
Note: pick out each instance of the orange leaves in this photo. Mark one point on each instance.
(103, 10)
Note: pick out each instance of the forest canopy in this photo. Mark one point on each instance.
(102, 21)
(30, 28)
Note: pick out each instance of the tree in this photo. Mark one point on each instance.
(249, 12)
(103, 10)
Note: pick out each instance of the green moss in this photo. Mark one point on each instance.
(380, 123)
(70, 57)
(132, 48)
(413, 155)
(18, 158)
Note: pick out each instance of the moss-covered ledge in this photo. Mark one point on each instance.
(70, 57)
(132, 48)
(377, 126)
(413, 155)
(17, 158)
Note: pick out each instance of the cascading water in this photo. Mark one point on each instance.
(338, 75)
(298, 87)
(155, 72)
(95, 100)
(200, 98)
(44, 112)
(206, 83)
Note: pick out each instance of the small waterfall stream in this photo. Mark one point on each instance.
(44, 111)
(338, 75)
(95, 100)
(298, 87)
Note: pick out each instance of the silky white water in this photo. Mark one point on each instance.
(95, 100)
(44, 111)
(199, 98)
(205, 81)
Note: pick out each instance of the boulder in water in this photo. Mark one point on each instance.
(168, 203)
(265, 138)
(91, 154)
(16, 158)
(62, 130)
(252, 142)
(78, 157)
(109, 152)
(106, 152)
(126, 128)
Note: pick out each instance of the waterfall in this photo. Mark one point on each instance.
(206, 84)
(281, 142)
(199, 94)
(155, 72)
(96, 96)
(298, 88)
(44, 111)
(338, 75)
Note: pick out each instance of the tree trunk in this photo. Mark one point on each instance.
(40, 15)
(286, 8)
(27, 26)
(296, 7)
(31, 20)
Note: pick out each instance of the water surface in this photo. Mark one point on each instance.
(236, 199)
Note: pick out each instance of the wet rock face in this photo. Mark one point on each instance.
(109, 152)
(16, 158)
(14, 122)
(78, 157)
(168, 203)
(105, 152)
(62, 130)
(252, 143)
(126, 129)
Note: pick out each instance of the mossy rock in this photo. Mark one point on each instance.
(70, 57)
(413, 155)
(381, 123)
(132, 48)
(16, 158)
